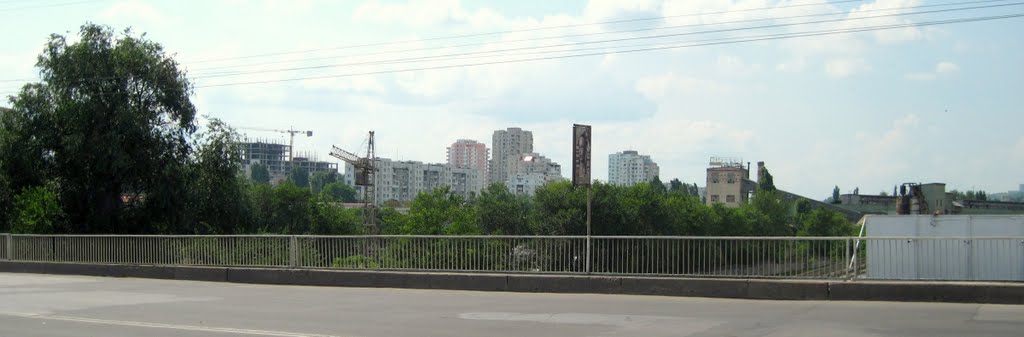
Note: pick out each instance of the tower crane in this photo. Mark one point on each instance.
(364, 176)
(291, 136)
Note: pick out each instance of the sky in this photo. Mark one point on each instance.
(867, 110)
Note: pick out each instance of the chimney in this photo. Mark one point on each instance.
(760, 167)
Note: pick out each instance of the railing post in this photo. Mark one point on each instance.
(9, 247)
(293, 251)
(590, 199)
(847, 259)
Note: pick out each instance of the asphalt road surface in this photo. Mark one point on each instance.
(49, 305)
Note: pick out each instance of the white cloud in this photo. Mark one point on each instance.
(423, 13)
(287, 7)
(600, 10)
(920, 76)
(941, 69)
(946, 68)
(668, 85)
(793, 66)
(878, 8)
(843, 68)
(734, 66)
(133, 12)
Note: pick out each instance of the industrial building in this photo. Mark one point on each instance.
(728, 182)
(925, 199)
(402, 181)
(629, 168)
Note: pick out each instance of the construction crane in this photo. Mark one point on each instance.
(291, 136)
(365, 176)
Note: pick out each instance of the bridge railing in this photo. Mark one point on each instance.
(977, 258)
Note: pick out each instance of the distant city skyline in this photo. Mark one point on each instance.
(869, 110)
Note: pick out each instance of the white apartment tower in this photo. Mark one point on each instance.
(507, 145)
(629, 168)
(529, 171)
(466, 153)
(402, 181)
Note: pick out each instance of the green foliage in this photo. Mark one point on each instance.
(658, 186)
(766, 182)
(319, 179)
(106, 143)
(219, 189)
(559, 209)
(440, 212)
(111, 117)
(502, 212)
(835, 195)
(36, 211)
(338, 192)
(772, 214)
(824, 222)
(259, 174)
(299, 176)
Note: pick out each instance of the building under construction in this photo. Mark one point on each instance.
(277, 157)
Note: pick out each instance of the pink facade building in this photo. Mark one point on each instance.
(466, 153)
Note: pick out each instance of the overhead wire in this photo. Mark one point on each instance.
(239, 73)
(449, 37)
(413, 59)
(11, 9)
(203, 71)
(451, 57)
(782, 36)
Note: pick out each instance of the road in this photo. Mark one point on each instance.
(50, 305)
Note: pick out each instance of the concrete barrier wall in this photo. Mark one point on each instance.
(959, 292)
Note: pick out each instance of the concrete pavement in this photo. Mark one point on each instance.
(51, 305)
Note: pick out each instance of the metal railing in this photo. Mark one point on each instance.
(977, 258)
(5, 246)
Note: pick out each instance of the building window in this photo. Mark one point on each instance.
(714, 178)
(732, 178)
(730, 198)
(714, 198)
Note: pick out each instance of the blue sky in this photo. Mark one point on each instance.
(868, 110)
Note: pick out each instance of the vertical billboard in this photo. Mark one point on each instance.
(580, 155)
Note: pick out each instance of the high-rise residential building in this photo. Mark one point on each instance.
(466, 153)
(629, 168)
(402, 181)
(529, 171)
(506, 147)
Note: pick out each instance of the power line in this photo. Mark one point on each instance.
(414, 59)
(405, 60)
(523, 30)
(733, 40)
(779, 37)
(202, 70)
(47, 6)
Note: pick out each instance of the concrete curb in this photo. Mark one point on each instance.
(954, 292)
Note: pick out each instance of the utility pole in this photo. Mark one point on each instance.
(581, 174)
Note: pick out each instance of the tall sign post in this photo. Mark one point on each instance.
(581, 171)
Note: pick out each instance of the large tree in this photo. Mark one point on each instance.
(109, 123)
(502, 212)
(259, 174)
(219, 188)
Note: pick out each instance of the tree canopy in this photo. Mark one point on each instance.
(110, 120)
